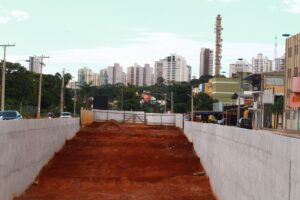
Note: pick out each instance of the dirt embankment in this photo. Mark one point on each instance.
(123, 162)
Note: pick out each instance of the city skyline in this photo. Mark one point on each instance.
(97, 34)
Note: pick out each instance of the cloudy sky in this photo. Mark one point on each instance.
(98, 33)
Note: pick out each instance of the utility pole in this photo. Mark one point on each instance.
(62, 92)
(239, 101)
(165, 107)
(75, 99)
(192, 102)
(3, 75)
(38, 115)
(172, 103)
(122, 99)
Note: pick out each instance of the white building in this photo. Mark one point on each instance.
(280, 63)
(135, 75)
(96, 79)
(261, 64)
(148, 71)
(114, 74)
(85, 75)
(206, 62)
(35, 64)
(239, 66)
(172, 68)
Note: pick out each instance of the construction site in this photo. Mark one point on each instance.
(111, 160)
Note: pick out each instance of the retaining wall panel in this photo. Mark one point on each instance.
(26, 146)
(247, 164)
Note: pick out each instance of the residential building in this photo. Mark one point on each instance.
(124, 80)
(206, 62)
(279, 63)
(239, 66)
(114, 74)
(292, 83)
(222, 89)
(147, 75)
(85, 75)
(261, 64)
(103, 77)
(35, 64)
(96, 79)
(273, 88)
(189, 71)
(135, 75)
(172, 68)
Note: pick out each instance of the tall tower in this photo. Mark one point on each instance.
(275, 48)
(218, 31)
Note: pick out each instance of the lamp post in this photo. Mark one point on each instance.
(3, 75)
(38, 115)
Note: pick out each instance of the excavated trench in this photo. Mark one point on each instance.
(114, 161)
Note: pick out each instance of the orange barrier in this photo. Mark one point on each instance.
(86, 117)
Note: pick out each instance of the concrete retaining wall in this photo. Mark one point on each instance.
(247, 164)
(26, 146)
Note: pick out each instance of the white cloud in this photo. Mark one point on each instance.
(148, 48)
(19, 15)
(292, 6)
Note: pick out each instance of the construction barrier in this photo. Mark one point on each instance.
(86, 116)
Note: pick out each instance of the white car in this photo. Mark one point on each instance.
(65, 115)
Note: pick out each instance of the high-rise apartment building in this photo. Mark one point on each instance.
(135, 75)
(238, 67)
(103, 77)
(114, 74)
(292, 83)
(261, 64)
(147, 75)
(96, 79)
(206, 62)
(279, 63)
(172, 68)
(85, 75)
(35, 64)
(124, 79)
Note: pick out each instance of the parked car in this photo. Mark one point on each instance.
(245, 123)
(10, 115)
(65, 115)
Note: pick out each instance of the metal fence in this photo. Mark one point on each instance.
(166, 119)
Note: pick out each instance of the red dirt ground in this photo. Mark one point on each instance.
(123, 162)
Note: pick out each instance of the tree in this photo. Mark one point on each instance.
(277, 109)
(86, 92)
(203, 102)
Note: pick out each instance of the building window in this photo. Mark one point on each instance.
(290, 52)
(289, 73)
(295, 71)
(296, 49)
(287, 114)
